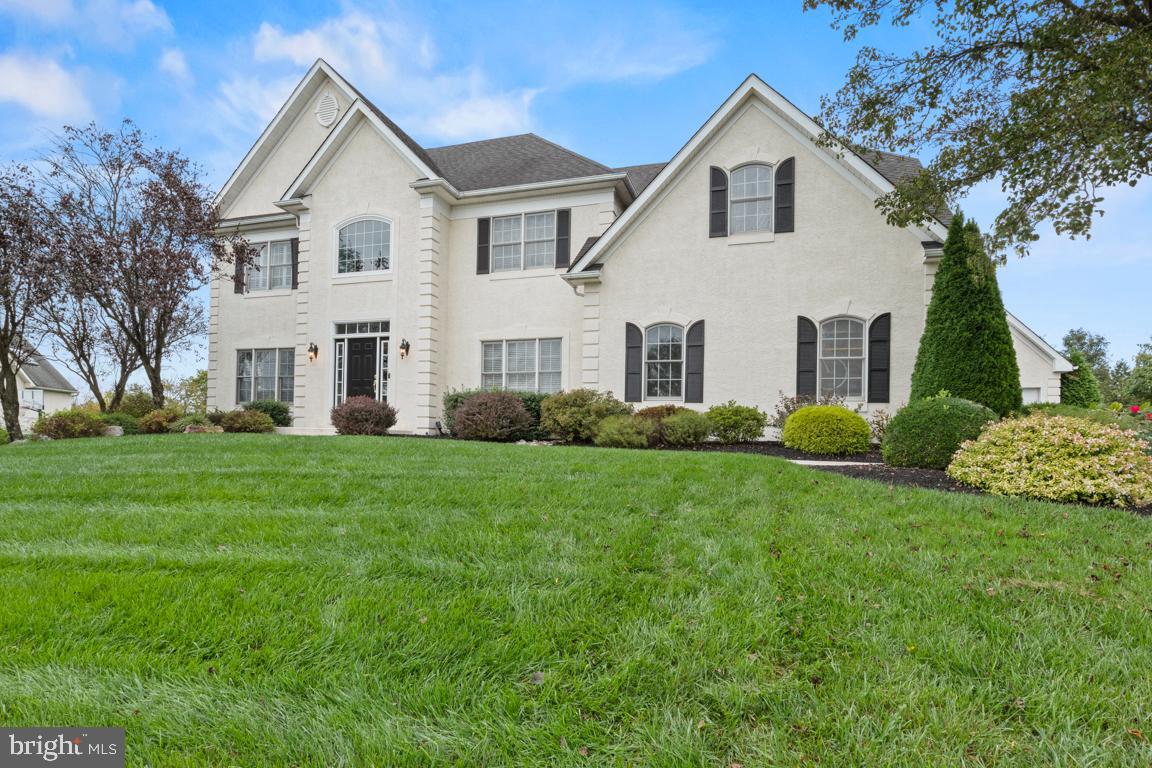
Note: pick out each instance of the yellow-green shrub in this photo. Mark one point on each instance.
(827, 429)
(625, 431)
(1057, 458)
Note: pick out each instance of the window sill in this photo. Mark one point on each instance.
(268, 294)
(362, 277)
(522, 274)
(747, 238)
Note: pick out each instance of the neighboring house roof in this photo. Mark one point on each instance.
(510, 161)
(640, 176)
(1060, 364)
(44, 375)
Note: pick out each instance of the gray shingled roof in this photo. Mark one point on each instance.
(640, 176)
(896, 168)
(509, 161)
(44, 376)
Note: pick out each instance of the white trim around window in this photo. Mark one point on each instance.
(750, 198)
(527, 365)
(523, 241)
(664, 360)
(364, 246)
(842, 357)
(265, 374)
(271, 269)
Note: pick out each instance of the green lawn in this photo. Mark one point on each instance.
(260, 600)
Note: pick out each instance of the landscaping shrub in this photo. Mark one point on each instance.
(789, 404)
(532, 402)
(926, 433)
(497, 416)
(3, 437)
(967, 345)
(573, 416)
(216, 417)
(136, 402)
(1080, 387)
(732, 423)
(657, 414)
(625, 431)
(280, 413)
(157, 422)
(192, 419)
(126, 421)
(879, 422)
(685, 427)
(248, 421)
(65, 425)
(1057, 458)
(363, 416)
(827, 429)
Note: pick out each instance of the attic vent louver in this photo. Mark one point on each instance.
(326, 109)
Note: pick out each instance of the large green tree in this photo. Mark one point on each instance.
(967, 347)
(1094, 347)
(1051, 98)
(1079, 387)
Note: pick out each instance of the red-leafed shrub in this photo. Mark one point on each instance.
(363, 416)
(496, 416)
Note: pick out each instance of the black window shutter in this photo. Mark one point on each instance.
(633, 364)
(806, 339)
(718, 203)
(694, 363)
(879, 357)
(482, 228)
(238, 276)
(295, 263)
(786, 196)
(563, 236)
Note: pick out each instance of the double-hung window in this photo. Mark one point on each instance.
(532, 365)
(524, 241)
(842, 358)
(751, 199)
(664, 361)
(271, 267)
(265, 374)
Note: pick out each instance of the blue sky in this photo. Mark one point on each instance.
(623, 83)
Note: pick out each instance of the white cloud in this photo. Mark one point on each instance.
(51, 11)
(43, 87)
(116, 23)
(172, 61)
(397, 63)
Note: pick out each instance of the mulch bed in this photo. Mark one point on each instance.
(779, 451)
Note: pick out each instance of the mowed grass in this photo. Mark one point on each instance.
(267, 600)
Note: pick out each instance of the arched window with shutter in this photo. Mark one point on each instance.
(750, 199)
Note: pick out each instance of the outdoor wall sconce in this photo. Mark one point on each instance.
(313, 352)
(404, 348)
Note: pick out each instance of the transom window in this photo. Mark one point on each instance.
(524, 241)
(664, 361)
(531, 365)
(271, 267)
(364, 246)
(265, 374)
(751, 199)
(842, 358)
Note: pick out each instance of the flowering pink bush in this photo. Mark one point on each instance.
(1057, 458)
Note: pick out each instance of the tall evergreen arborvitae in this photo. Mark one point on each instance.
(1080, 387)
(967, 347)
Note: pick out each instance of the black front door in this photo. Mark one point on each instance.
(362, 369)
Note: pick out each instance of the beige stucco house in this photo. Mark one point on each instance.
(751, 264)
(41, 389)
